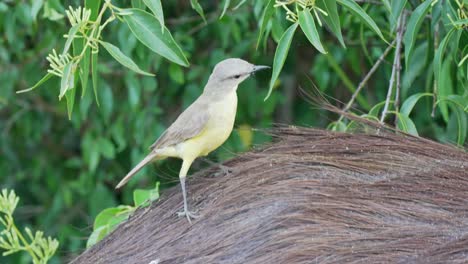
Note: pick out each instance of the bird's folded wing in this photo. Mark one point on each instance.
(188, 125)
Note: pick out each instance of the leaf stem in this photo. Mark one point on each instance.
(26, 246)
(96, 26)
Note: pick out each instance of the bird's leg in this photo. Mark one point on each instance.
(182, 176)
(186, 212)
(225, 169)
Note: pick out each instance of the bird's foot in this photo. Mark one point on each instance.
(188, 214)
(225, 170)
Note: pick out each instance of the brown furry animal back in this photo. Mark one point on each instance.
(313, 197)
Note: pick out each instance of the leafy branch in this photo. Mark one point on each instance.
(459, 106)
(40, 249)
(108, 219)
(85, 37)
(305, 13)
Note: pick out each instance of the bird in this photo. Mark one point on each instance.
(204, 125)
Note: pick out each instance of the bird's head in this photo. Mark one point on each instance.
(229, 73)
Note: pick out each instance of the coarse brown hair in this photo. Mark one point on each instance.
(314, 196)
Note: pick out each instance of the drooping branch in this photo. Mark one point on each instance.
(396, 65)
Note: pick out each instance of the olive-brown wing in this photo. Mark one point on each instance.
(188, 125)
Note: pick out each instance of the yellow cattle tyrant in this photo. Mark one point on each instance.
(204, 125)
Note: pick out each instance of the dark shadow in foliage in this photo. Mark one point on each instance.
(314, 196)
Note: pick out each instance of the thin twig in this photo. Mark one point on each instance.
(397, 91)
(366, 79)
(396, 61)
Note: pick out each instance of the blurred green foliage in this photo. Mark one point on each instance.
(65, 170)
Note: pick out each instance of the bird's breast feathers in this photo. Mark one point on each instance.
(218, 128)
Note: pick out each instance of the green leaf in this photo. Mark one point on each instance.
(396, 9)
(134, 89)
(337, 126)
(359, 12)
(445, 87)
(35, 7)
(386, 4)
(419, 62)
(280, 55)
(406, 125)
(70, 98)
(117, 54)
(240, 4)
(94, 158)
(93, 5)
(306, 21)
(107, 221)
(225, 7)
(277, 30)
(197, 7)
(357, 125)
(106, 148)
(438, 63)
(94, 75)
(266, 15)
(457, 100)
(176, 73)
(412, 28)
(53, 10)
(4, 7)
(461, 22)
(144, 197)
(137, 4)
(148, 31)
(436, 14)
(71, 35)
(156, 7)
(103, 218)
(97, 235)
(332, 20)
(84, 71)
(67, 81)
(39, 83)
(462, 125)
(107, 101)
(457, 105)
(410, 102)
(375, 110)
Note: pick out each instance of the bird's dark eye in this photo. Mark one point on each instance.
(236, 76)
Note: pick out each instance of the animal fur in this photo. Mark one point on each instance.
(314, 196)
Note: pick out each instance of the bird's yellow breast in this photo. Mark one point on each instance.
(218, 128)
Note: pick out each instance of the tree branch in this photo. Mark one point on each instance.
(366, 79)
(396, 65)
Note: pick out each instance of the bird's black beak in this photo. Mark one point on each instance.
(257, 68)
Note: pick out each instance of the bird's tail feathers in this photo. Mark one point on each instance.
(137, 168)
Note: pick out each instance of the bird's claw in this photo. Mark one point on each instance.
(187, 214)
(225, 170)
